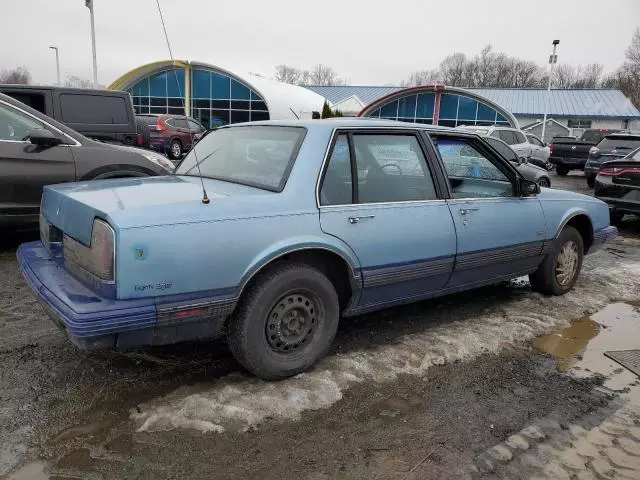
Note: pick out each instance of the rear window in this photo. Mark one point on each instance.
(148, 119)
(258, 156)
(93, 109)
(613, 142)
(594, 135)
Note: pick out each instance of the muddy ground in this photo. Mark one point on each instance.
(431, 390)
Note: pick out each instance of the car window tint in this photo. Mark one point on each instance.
(93, 109)
(391, 168)
(337, 183)
(519, 137)
(15, 125)
(195, 126)
(507, 137)
(471, 173)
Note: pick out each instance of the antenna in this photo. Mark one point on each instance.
(205, 197)
(294, 113)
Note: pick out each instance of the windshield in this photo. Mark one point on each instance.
(258, 156)
(626, 142)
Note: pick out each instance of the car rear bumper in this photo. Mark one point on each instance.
(620, 205)
(568, 161)
(92, 322)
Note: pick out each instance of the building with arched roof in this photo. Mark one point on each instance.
(439, 105)
(213, 95)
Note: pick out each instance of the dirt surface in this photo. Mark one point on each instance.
(422, 391)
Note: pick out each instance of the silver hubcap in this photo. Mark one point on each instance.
(543, 182)
(567, 263)
(175, 149)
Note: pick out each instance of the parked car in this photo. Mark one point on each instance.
(610, 147)
(172, 134)
(618, 184)
(528, 170)
(105, 115)
(35, 151)
(516, 139)
(569, 155)
(285, 241)
(539, 152)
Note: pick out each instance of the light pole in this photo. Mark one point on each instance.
(89, 5)
(57, 63)
(553, 59)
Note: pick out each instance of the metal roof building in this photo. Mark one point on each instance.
(577, 109)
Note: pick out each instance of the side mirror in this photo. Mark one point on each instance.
(43, 138)
(528, 188)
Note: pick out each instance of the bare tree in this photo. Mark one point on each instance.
(422, 77)
(572, 76)
(77, 82)
(319, 75)
(627, 77)
(287, 74)
(16, 75)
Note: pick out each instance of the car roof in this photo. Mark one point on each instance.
(100, 91)
(347, 122)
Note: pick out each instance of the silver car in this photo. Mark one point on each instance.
(528, 170)
(539, 152)
(516, 139)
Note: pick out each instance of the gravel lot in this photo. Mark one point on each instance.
(448, 388)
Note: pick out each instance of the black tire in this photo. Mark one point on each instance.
(143, 130)
(175, 149)
(259, 339)
(545, 278)
(615, 217)
(544, 182)
(591, 181)
(562, 170)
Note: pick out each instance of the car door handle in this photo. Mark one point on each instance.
(354, 220)
(464, 211)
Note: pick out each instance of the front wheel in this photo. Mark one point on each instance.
(544, 182)
(286, 321)
(562, 170)
(175, 150)
(559, 271)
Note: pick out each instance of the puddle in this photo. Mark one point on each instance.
(568, 344)
(579, 348)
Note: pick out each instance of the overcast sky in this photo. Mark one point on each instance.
(369, 42)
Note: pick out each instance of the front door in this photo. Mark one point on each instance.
(26, 168)
(499, 234)
(379, 197)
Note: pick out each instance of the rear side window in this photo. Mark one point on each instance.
(34, 100)
(93, 109)
(507, 137)
(178, 123)
(337, 184)
(519, 137)
(534, 141)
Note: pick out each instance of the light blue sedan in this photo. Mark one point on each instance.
(270, 232)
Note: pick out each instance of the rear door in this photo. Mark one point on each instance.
(499, 234)
(379, 195)
(26, 168)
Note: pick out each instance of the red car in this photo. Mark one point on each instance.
(172, 134)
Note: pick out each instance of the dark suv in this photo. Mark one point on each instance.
(105, 115)
(35, 151)
(172, 135)
(611, 147)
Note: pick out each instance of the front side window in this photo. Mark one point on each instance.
(258, 156)
(507, 137)
(471, 173)
(15, 125)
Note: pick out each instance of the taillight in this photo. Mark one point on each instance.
(551, 148)
(160, 125)
(97, 259)
(615, 171)
(594, 152)
(139, 139)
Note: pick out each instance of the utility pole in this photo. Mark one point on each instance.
(89, 5)
(553, 59)
(57, 63)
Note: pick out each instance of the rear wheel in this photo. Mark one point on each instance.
(591, 180)
(562, 170)
(559, 271)
(286, 321)
(175, 149)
